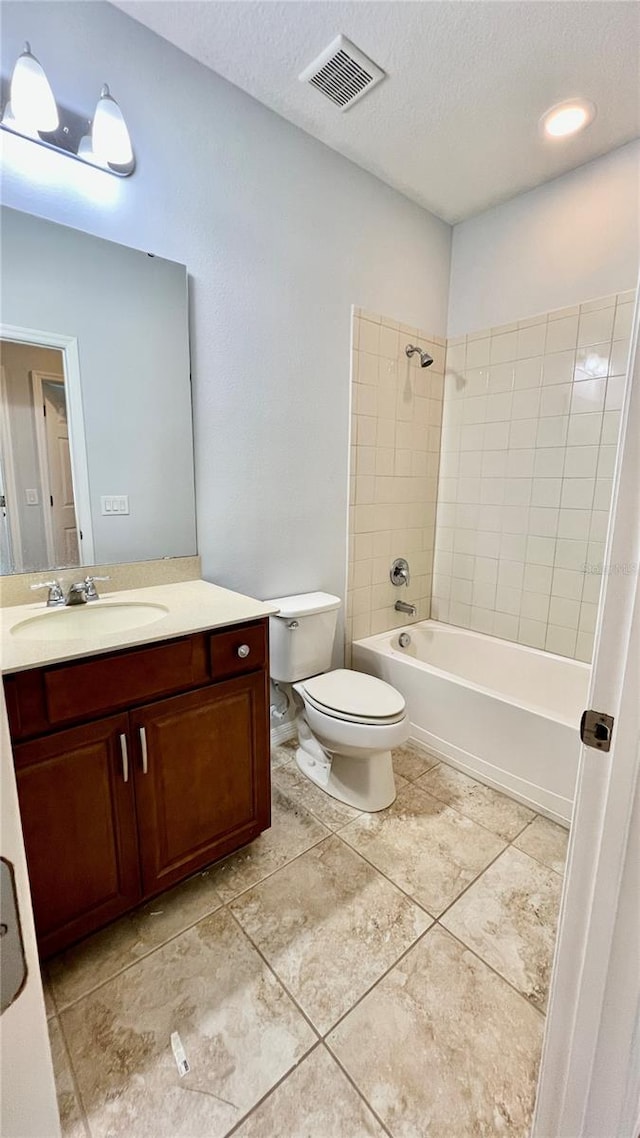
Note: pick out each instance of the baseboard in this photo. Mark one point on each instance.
(553, 806)
(282, 732)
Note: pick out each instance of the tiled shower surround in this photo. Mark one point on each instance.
(395, 436)
(530, 425)
(517, 445)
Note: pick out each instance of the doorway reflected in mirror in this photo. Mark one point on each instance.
(38, 517)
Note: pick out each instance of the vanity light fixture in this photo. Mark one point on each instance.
(32, 113)
(565, 119)
(109, 144)
(32, 107)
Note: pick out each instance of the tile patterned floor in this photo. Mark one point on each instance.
(345, 976)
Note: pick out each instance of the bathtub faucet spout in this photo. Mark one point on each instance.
(402, 606)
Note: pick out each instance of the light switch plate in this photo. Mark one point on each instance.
(13, 966)
(31, 497)
(114, 504)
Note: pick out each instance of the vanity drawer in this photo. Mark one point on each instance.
(242, 649)
(50, 697)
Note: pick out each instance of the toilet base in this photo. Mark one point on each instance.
(366, 783)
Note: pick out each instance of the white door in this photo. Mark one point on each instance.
(6, 558)
(590, 1072)
(61, 506)
(68, 346)
(10, 537)
(28, 1106)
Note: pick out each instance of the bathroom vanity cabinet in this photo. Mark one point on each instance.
(137, 768)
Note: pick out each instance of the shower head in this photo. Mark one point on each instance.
(425, 359)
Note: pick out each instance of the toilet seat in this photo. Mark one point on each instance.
(353, 697)
(344, 718)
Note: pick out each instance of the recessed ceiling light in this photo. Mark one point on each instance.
(567, 118)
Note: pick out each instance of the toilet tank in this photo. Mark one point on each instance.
(302, 635)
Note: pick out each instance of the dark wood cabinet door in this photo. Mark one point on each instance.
(201, 777)
(78, 817)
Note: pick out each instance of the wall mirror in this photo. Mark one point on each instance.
(96, 441)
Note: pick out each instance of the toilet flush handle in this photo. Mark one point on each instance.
(292, 625)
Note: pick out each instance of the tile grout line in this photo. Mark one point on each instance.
(456, 809)
(320, 1038)
(364, 857)
(418, 904)
(464, 943)
(459, 810)
(406, 780)
(378, 981)
(221, 905)
(509, 845)
(138, 960)
(287, 1075)
(59, 1009)
(356, 1088)
(559, 872)
(316, 815)
(74, 1080)
(498, 975)
(243, 932)
(319, 842)
(46, 979)
(374, 983)
(279, 980)
(437, 921)
(317, 1042)
(471, 883)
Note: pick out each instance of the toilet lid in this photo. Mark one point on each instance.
(355, 694)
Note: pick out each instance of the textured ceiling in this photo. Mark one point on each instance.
(454, 126)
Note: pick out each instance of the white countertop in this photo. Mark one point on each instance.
(194, 606)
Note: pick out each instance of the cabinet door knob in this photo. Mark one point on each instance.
(243, 651)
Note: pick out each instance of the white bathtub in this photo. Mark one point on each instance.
(506, 714)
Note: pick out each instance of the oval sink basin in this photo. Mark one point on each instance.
(81, 621)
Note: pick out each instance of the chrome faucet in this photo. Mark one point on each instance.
(56, 595)
(81, 592)
(402, 606)
(90, 587)
(77, 594)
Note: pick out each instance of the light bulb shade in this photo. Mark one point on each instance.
(33, 106)
(110, 139)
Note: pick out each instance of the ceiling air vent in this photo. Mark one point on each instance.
(342, 72)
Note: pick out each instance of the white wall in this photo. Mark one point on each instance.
(280, 236)
(571, 240)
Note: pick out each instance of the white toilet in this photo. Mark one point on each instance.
(347, 721)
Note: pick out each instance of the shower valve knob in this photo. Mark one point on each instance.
(400, 574)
